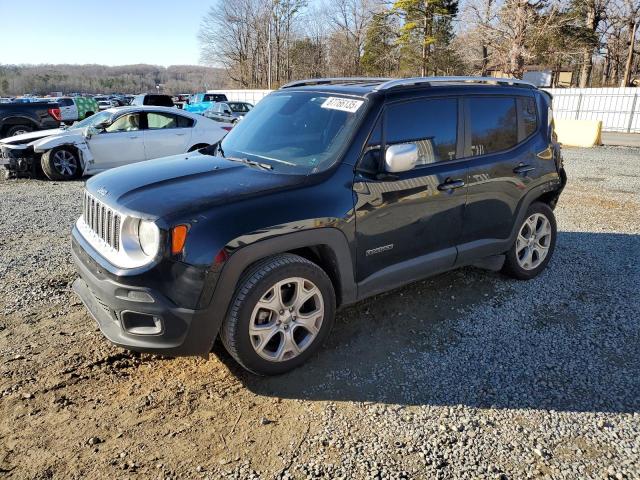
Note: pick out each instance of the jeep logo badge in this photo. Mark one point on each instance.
(103, 191)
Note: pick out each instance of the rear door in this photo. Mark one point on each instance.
(501, 142)
(409, 223)
(167, 134)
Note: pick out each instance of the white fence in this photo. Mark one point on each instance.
(251, 96)
(618, 108)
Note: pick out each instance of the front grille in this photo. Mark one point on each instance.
(104, 221)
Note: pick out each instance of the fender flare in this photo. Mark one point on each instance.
(18, 120)
(218, 302)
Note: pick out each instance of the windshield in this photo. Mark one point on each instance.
(299, 131)
(93, 120)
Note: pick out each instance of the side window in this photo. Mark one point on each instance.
(157, 120)
(126, 123)
(494, 125)
(432, 124)
(184, 122)
(528, 114)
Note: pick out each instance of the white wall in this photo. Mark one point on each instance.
(618, 108)
(251, 96)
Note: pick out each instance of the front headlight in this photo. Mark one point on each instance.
(149, 238)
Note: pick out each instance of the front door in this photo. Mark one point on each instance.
(408, 224)
(119, 144)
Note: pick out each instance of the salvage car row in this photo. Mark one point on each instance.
(111, 138)
(38, 142)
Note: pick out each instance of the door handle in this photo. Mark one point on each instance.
(523, 169)
(180, 134)
(133, 136)
(450, 185)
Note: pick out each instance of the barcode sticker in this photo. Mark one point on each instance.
(344, 104)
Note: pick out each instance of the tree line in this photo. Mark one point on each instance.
(265, 43)
(44, 79)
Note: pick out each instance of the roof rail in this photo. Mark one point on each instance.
(329, 81)
(409, 82)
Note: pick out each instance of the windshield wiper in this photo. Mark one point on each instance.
(246, 161)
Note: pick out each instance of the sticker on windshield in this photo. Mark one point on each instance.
(344, 104)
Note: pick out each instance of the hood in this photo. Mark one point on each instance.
(189, 182)
(63, 137)
(31, 136)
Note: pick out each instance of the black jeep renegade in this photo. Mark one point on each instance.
(327, 192)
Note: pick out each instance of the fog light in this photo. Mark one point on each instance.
(141, 323)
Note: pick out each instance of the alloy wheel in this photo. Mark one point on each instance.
(286, 319)
(65, 163)
(534, 239)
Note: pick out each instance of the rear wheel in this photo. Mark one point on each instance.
(61, 163)
(282, 312)
(18, 130)
(534, 245)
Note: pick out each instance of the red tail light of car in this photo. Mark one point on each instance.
(228, 129)
(55, 113)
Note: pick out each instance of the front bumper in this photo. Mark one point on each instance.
(19, 159)
(179, 331)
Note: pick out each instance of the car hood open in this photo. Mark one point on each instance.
(181, 183)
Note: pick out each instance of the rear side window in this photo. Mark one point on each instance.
(432, 124)
(528, 115)
(494, 124)
(184, 122)
(214, 97)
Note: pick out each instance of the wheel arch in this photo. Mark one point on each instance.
(197, 146)
(328, 247)
(17, 120)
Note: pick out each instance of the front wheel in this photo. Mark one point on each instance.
(282, 312)
(61, 164)
(534, 244)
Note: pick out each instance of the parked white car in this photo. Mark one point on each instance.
(108, 139)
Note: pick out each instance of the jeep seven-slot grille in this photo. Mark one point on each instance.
(102, 220)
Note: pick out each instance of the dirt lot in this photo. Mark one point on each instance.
(467, 375)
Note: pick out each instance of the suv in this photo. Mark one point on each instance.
(200, 102)
(154, 99)
(328, 192)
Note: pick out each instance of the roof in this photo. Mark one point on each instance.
(363, 85)
(154, 108)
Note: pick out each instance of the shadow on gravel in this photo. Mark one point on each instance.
(566, 341)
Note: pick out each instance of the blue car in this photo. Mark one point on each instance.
(199, 102)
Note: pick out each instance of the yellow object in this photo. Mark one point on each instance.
(578, 133)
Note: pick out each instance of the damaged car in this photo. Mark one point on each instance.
(111, 138)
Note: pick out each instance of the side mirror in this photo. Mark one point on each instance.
(401, 158)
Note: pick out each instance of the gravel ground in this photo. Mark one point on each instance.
(466, 375)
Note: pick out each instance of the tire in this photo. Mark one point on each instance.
(198, 147)
(18, 130)
(61, 163)
(534, 244)
(284, 339)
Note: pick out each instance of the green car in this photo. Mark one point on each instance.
(76, 108)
